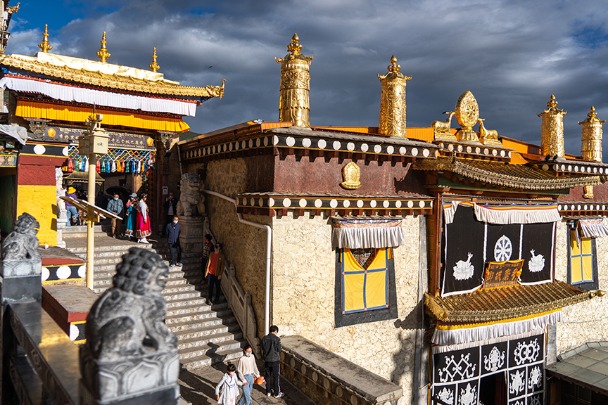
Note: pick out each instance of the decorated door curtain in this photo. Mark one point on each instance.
(116, 161)
(475, 235)
(517, 362)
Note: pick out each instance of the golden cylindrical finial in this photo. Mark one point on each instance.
(591, 137)
(103, 53)
(552, 130)
(393, 108)
(154, 66)
(45, 45)
(294, 99)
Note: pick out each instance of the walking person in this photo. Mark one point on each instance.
(207, 249)
(143, 220)
(213, 273)
(247, 370)
(115, 206)
(131, 215)
(271, 345)
(227, 390)
(170, 207)
(71, 210)
(172, 231)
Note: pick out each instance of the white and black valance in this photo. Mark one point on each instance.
(517, 214)
(592, 228)
(366, 233)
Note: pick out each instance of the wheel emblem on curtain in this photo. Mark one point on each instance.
(503, 249)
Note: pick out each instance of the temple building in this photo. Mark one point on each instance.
(450, 261)
(47, 99)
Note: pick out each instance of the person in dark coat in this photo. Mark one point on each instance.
(271, 346)
(173, 230)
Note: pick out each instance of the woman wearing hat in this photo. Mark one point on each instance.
(131, 216)
(72, 212)
(144, 228)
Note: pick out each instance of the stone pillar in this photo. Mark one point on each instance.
(130, 356)
(552, 130)
(393, 107)
(191, 236)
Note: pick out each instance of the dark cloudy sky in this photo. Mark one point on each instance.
(512, 54)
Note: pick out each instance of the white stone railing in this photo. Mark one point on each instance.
(240, 303)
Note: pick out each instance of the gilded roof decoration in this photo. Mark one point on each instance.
(487, 305)
(103, 53)
(105, 75)
(154, 66)
(45, 45)
(467, 114)
(504, 175)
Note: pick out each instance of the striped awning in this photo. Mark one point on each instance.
(592, 228)
(366, 233)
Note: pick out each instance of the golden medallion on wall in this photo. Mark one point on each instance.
(351, 175)
(51, 132)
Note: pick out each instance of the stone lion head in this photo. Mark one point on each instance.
(141, 272)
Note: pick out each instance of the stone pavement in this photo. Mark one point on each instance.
(198, 388)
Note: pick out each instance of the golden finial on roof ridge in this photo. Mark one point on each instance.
(45, 45)
(394, 71)
(154, 66)
(295, 47)
(103, 53)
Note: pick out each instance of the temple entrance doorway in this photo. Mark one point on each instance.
(493, 389)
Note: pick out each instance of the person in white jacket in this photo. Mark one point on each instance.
(227, 390)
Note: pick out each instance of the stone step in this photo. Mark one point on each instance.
(212, 357)
(209, 348)
(185, 303)
(184, 344)
(189, 325)
(177, 289)
(198, 313)
(190, 309)
(202, 332)
(186, 295)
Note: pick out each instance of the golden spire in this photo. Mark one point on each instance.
(552, 130)
(154, 66)
(294, 98)
(392, 101)
(103, 53)
(591, 137)
(45, 45)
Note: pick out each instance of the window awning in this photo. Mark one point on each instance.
(366, 233)
(592, 228)
(15, 131)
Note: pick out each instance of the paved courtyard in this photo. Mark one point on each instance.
(198, 388)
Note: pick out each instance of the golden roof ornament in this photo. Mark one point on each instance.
(294, 98)
(103, 53)
(154, 66)
(467, 115)
(552, 130)
(591, 137)
(45, 45)
(393, 107)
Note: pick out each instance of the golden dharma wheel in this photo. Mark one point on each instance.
(467, 110)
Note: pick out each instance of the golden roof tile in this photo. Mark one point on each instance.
(108, 76)
(496, 304)
(506, 175)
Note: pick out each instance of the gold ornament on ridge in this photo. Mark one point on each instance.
(467, 115)
(294, 98)
(45, 45)
(552, 130)
(393, 107)
(103, 53)
(154, 66)
(351, 175)
(591, 137)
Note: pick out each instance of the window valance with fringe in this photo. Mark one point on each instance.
(592, 228)
(366, 233)
(505, 214)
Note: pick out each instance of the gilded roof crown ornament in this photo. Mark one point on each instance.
(591, 137)
(154, 66)
(294, 103)
(45, 45)
(467, 115)
(13, 9)
(393, 108)
(103, 53)
(552, 130)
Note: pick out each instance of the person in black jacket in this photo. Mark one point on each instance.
(271, 346)
(173, 230)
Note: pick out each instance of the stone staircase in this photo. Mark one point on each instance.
(207, 334)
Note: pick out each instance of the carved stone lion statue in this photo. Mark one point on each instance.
(22, 243)
(190, 198)
(128, 319)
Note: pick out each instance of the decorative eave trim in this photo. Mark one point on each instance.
(111, 81)
(583, 209)
(573, 167)
(281, 204)
(474, 150)
(540, 183)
